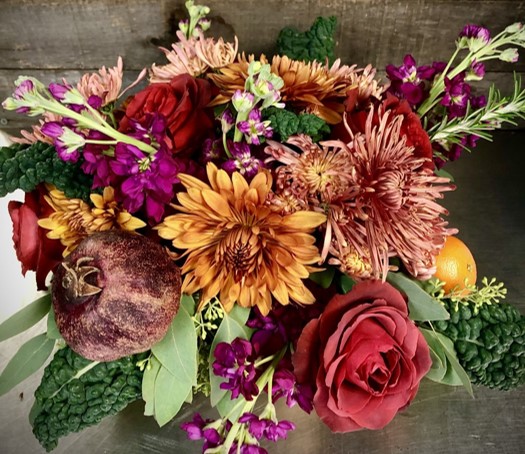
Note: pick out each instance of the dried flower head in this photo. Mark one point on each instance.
(236, 246)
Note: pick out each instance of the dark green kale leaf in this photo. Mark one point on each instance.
(286, 124)
(25, 166)
(489, 341)
(76, 393)
(315, 44)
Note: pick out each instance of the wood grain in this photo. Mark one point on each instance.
(51, 39)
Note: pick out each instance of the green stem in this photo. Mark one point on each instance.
(59, 109)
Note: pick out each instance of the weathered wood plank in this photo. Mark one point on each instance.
(54, 34)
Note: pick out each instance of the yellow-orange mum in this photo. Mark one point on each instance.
(74, 219)
(313, 87)
(236, 246)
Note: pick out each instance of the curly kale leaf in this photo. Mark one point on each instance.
(26, 166)
(286, 124)
(76, 393)
(317, 43)
(489, 341)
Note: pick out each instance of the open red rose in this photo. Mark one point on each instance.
(183, 103)
(365, 357)
(34, 249)
(411, 127)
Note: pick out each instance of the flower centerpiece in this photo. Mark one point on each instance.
(254, 229)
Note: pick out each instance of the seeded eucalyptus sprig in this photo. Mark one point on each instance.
(499, 109)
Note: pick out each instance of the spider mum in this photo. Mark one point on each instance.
(237, 246)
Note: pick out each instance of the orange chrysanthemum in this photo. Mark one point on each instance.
(236, 246)
(312, 87)
(74, 219)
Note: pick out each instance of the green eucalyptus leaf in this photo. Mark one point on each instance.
(170, 394)
(28, 359)
(52, 328)
(233, 325)
(188, 302)
(323, 278)
(177, 351)
(346, 283)
(26, 317)
(421, 306)
(439, 359)
(455, 375)
(444, 174)
(148, 385)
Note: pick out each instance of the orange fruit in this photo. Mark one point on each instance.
(455, 266)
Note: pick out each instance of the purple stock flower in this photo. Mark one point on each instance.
(410, 81)
(65, 139)
(197, 430)
(234, 362)
(96, 162)
(148, 179)
(212, 150)
(254, 127)
(59, 91)
(242, 160)
(457, 96)
(476, 32)
(284, 385)
(248, 449)
(227, 121)
(476, 71)
(267, 428)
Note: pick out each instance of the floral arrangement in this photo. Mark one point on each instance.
(254, 229)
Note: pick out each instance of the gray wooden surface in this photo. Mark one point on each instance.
(489, 209)
(63, 38)
(55, 38)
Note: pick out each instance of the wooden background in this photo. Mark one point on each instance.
(50, 39)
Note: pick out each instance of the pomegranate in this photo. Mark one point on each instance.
(115, 295)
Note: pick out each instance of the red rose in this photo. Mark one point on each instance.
(365, 357)
(182, 102)
(34, 249)
(411, 127)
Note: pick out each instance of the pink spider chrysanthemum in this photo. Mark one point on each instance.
(393, 211)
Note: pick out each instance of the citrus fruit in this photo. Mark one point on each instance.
(455, 266)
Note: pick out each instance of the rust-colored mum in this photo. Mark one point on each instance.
(310, 87)
(237, 248)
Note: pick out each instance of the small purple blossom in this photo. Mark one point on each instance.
(58, 91)
(197, 430)
(476, 71)
(243, 101)
(242, 160)
(234, 362)
(410, 81)
(457, 96)
(284, 385)
(254, 127)
(267, 428)
(248, 449)
(212, 151)
(147, 179)
(476, 32)
(66, 140)
(227, 121)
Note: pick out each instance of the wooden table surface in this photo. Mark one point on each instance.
(488, 208)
